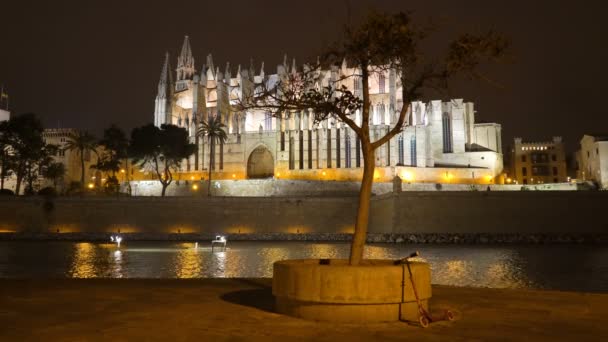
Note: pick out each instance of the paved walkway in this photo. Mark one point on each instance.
(241, 309)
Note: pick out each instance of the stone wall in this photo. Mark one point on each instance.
(256, 187)
(179, 215)
(459, 215)
(523, 212)
(288, 187)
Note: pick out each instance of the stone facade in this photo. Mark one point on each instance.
(592, 160)
(4, 115)
(538, 162)
(71, 159)
(437, 135)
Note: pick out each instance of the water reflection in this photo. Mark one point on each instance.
(378, 252)
(188, 263)
(117, 264)
(83, 265)
(218, 264)
(582, 268)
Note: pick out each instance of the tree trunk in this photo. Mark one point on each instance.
(127, 176)
(20, 174)
(365, 194)
(2, 174)
(82, 170)
(211, 162)
(30, 179)
(3, 170)
(162, 194)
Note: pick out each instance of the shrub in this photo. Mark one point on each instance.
(47, 191)
(73, 188)
(6, 192)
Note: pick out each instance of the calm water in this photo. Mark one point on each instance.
(576, 268)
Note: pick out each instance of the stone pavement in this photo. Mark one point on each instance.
(241, 309)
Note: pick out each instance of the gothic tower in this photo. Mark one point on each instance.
(185, 66)
(162, 109)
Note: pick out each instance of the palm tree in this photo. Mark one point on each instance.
(81, 142)
(53, 172)
(213, 129)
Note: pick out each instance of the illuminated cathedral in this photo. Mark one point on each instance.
(440, 142)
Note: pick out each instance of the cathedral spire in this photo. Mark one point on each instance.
(204, 75)
(210, 62)
(262, 70)
(251, 69)
(162, 109)
(293, 66)
(185, 62)
(227, 73)
(164, 78)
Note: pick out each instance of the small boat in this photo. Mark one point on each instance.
(219, 240)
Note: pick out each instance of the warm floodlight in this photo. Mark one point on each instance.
(408, 176)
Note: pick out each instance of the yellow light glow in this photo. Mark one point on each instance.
(195, 187)
(278, 174)
(509, 180)
(376, 174)
(408, 176)
(323, 173)
(91, 185)
(191, 177)
(233, 175)
(122, 170)
(488, 178)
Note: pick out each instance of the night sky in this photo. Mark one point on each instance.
(87, 66)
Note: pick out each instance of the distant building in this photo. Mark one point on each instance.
(592, 159)
(71, 159)
(538, 162)
(4, 113)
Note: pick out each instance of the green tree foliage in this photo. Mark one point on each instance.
(7, 161)
(162, 149)
(54, 172)
(81, 143)
(214, 130)
(381, 43)
(115, 147)
(24, 147)
(36, 165)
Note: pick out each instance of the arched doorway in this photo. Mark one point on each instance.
(260, 163)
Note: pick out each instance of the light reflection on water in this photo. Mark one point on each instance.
(581, 268)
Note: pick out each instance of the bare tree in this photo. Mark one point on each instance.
(383, 43)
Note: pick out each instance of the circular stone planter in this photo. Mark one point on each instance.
(332, 290)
